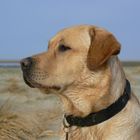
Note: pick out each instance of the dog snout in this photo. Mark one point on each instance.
(26, 63)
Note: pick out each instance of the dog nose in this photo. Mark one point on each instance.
(26, 62)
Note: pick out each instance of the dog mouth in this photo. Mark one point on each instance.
(34, 84)
(28, 83)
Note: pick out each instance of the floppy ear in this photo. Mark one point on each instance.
(103, 46)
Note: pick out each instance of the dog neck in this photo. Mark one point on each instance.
(118, 77)
(82, 99)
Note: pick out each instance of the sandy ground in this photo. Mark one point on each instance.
(16, 98)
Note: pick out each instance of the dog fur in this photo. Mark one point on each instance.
(87, 76)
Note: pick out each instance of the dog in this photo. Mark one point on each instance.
(81, 66)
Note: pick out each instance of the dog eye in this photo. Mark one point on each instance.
(63, 48)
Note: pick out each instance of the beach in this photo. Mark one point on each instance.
(16, 97)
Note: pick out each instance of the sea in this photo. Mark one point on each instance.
(9, 65)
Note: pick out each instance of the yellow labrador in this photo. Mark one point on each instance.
(81, 66)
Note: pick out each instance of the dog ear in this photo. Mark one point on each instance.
(103, 46)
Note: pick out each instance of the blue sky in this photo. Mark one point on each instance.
(27, 25)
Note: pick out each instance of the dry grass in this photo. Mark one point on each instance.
(26, 114)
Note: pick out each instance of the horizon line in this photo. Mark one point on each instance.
(18, 60)
(124, 62)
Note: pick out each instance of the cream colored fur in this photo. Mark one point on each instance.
(83, 90)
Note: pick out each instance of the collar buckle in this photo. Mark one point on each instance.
(66, 128)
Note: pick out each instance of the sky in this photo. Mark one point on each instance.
(26, 26)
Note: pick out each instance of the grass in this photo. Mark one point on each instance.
(18, 101)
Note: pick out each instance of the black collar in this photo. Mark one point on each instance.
(102, 115)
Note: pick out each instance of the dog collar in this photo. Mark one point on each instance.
(102, 115)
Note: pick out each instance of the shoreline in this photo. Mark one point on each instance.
(16, 63)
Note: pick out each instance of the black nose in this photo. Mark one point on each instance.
(26, 62)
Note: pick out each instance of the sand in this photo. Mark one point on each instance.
(35, 109)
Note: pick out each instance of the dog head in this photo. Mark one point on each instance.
(70, 53)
